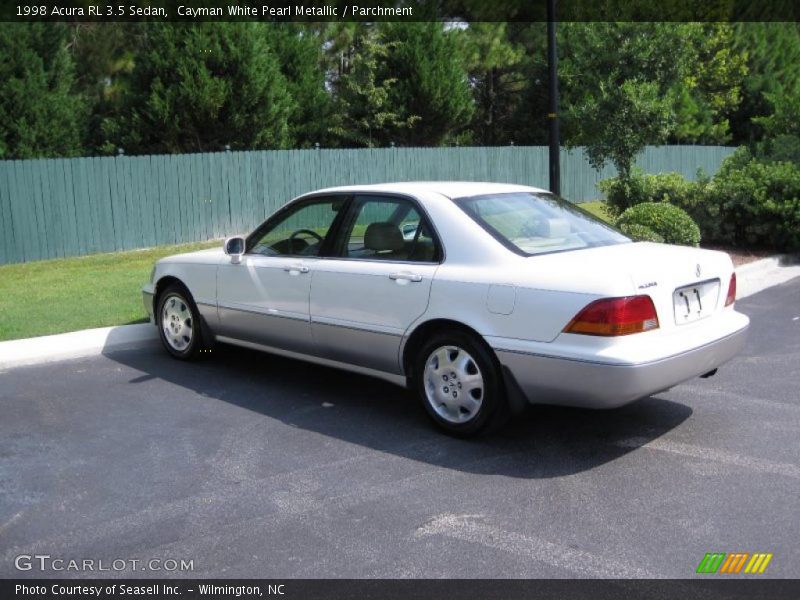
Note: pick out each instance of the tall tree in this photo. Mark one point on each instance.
(364, 112)
(710, 87)
(615, 87)
(782, 127)
(529, 123)
(41, 115)
(705, 78)
(299, 50)
(497, 74)
(772, 51)
(104, 57)
(431, 83)
(199, 87)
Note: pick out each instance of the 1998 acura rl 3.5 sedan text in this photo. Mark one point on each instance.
(481, 297)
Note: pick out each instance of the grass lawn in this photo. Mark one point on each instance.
(598, 209)
(55, 296)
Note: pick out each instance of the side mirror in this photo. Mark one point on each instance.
(234, 247)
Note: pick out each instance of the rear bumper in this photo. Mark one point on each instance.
(594, 384)
(147, 299)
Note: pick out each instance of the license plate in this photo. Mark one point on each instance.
(696, 301)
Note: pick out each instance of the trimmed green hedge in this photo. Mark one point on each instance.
(755, 204)
(748, 203)
(641, 187)
(669, 222)
(640, 233)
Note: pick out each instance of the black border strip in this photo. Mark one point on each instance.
(705, 587)
(403, 10)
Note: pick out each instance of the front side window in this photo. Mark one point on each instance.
(300, 232)
(385, 228)
(538, 223)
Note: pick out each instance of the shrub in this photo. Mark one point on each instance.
(739, 159)
(640, 233)
(750, 202)
(756, 204)
(673, 224)
(640, 187)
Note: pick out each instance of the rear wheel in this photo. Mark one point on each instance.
(458, 380)
(179, 323)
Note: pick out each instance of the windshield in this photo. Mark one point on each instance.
(538, 223)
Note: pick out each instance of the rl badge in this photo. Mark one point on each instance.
(720, 562)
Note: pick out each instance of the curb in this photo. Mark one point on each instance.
(759, 275)
(77, 344)
(751, 278)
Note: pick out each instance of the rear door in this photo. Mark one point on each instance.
(376, 283)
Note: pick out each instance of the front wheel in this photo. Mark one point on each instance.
(458, 380)
(179, 323)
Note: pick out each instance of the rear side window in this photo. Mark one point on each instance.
(386, 228)
(538, 223)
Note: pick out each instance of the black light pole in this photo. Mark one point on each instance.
(552, 114)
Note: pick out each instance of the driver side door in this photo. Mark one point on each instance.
(264, 299)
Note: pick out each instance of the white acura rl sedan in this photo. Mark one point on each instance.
(481, 297)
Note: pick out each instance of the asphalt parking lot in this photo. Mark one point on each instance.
(257, 466)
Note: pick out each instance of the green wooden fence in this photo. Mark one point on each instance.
(69, 207)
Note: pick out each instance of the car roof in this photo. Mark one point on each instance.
(449, 189)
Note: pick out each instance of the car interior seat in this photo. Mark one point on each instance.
(385, 240)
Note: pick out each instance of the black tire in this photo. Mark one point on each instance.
(493, 406)
(184, 324)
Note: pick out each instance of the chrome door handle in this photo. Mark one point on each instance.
(406, 277)
(298, 268)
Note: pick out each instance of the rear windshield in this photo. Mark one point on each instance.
(538, 223)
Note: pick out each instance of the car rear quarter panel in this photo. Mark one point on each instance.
(518, 298)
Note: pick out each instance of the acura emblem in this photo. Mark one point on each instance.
(698, 270)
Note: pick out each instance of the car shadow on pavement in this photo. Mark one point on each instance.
(542, 442)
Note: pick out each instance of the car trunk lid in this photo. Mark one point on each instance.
(686, 284)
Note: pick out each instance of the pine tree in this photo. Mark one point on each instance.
(772, 51)
(298, 49)
(104, 57)
(364, 115)
(200, 87)
(431, 83)
(41, 115)
(497, 66)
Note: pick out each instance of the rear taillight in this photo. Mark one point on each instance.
(615, 316)
(731, 298)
